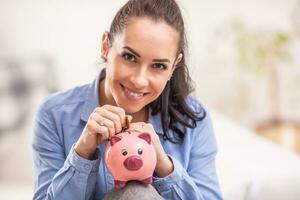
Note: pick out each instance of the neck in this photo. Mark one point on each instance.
(105, 97)
(141, 116)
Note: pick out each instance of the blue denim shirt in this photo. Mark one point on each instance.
(60, 173)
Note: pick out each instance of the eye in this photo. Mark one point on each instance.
(140, 151)
(129, 57)
(159, 66)
(124, 152)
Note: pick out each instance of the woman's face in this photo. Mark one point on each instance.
(139, 63)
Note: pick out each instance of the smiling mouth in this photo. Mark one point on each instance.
(132, 94)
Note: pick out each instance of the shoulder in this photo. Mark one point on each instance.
(194, 103)
(196, 107)
(58, 100)
(197, 116)
(202, 135)
(200, 110)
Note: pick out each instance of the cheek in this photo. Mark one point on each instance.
(114, 64)
(115, 71)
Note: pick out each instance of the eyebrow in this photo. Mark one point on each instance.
(132, 51)
(161, 60)
(138, 55)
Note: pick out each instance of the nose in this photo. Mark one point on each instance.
(140, 79)
(133, 163)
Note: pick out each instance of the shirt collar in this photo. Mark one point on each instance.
(92, 101)
(155, 120)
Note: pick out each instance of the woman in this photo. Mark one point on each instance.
(146, 79)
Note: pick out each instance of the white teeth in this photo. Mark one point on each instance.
(133, 93)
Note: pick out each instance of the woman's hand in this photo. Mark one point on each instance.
(164, 165)
(103, 123)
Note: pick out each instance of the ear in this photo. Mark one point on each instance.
(146, 137)
(178, 59)
(114, 139)
(104, 45)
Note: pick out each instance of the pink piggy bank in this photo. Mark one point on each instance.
(129, 156)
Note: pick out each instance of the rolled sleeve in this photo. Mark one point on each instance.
(165, 183)
(83, 165)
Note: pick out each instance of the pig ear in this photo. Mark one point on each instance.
(114, 139)
(146, 137)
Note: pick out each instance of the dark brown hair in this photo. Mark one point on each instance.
(172, 102)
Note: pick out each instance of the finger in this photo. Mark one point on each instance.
(105, 133)
(98, 117)
(114, 118)
(108, 124)
(108, 119)
(143, 127)
(103, 130)
(119, 111)
(102, 121)
(137, 126)
(111, 115)
(94, 127)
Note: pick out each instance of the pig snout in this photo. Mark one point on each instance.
(133, 163)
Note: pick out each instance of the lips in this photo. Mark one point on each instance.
(131, 94)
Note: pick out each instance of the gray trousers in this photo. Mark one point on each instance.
(134, 191)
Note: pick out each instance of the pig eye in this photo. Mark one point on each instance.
(124, 152)
(140, 151)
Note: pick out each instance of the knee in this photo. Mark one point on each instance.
(134, 191)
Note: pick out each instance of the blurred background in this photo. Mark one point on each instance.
(244, 58)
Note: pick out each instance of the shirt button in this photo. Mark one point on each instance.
(87, 166)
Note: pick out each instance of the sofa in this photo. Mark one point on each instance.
(251, 167)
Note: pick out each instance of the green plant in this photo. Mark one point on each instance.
(263, 52)
(257, 49)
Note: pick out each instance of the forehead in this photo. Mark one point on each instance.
(147, 36)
